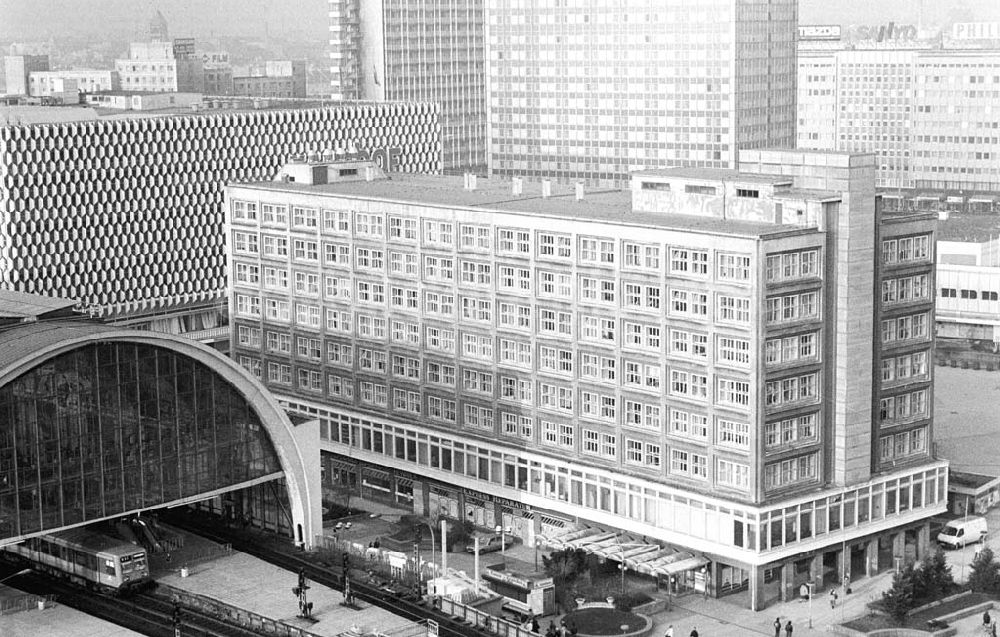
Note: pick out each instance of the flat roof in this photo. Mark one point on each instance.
(21, 341)
(971, 228)
(23, 305)
(715, 174)
(31, 114)
(611, 206)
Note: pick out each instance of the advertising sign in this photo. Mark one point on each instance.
(976, 31)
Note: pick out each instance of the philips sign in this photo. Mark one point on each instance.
(885, 33)
(976, 31)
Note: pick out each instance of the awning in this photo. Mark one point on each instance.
(955, 199)
(685, 565)
(981, 200)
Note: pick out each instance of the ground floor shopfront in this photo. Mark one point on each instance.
(727, 547)
(755, 586)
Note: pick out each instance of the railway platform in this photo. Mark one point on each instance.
(246, 582)
(55, 620)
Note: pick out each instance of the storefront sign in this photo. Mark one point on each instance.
(385, 158)
(976, 31)
(885, 33)
(819, 32)
(517, 582)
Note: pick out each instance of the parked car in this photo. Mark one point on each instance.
(486, 544)
(958, 533)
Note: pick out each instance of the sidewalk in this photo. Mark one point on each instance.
(720, 617)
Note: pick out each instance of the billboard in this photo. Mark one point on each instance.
(819, 32)
(975, 31)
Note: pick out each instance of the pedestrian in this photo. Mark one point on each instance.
(777, 627)
(993, 629)
(986, 618)
(694, 632)
(534, 625)
(833, 598)
(551, 630)
(670, 631)
(562, 629)
(788, 629)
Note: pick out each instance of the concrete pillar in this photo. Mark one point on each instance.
(463, 513)
(844, 562)
(787, 581)
(899, 548)
(816, 571)
(871, 557)
(923, 540)
(756, 588)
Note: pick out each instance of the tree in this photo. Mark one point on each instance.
(898, 600)
(934, 578)
(984, 574)
(565, 567)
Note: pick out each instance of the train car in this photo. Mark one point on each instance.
(88, 558)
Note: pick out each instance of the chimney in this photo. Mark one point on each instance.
(546, 188)
(579, 191)
(516, 186)
(465, 184)
(369, 173)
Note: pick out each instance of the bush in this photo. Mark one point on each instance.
(630, 600)
(984, 575)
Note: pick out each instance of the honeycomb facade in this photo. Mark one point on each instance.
(126, 214)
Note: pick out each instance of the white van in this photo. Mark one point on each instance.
(958, 533)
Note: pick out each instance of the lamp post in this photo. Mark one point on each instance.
(503, 542)
(810, 586)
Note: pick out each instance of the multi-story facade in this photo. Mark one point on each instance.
(18, 70)
(152, 66)
(124, 214)
(425, 50)
(926, 113)
(274, 78)
(693, 361)
(45, 83)
(591, 93)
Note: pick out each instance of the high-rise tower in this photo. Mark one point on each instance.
(595, 89)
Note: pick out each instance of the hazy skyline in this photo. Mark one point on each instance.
(41, 19)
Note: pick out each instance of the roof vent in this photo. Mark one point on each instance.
(546, 188)
(470, 181)
(516, 186)
(579, 191)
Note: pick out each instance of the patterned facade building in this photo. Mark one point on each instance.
(593, 92)
(706, 361)
(426, 50)
(125, 214)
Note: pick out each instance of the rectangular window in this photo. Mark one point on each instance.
(474, 237)
(402, 228)
(733, 434)
(513, 242)
(304, 217)
(555, 246)
(733, 267)
(733, 392)
(733, 351)
(687, 262)
(791, 266)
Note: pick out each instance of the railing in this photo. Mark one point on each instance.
(232, 614)
(483, 620)
(205, 555)
(24, 602)
(380, 561)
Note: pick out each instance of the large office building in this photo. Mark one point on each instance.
(18, 69)
(593, 92)
(153, 66)
(731, 365)
(929, 114)
(124, 211)
(424, 50)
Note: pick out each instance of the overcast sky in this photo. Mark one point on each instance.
(39, 19)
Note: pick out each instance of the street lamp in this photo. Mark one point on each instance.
(503, 542)
(810, 587)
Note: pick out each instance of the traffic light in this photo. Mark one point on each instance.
(296, 591)
(302, 580)
(347, 561)
(176, 619)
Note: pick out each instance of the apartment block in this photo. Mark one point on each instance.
(701, 360)
(597, 91)
(123, 212)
